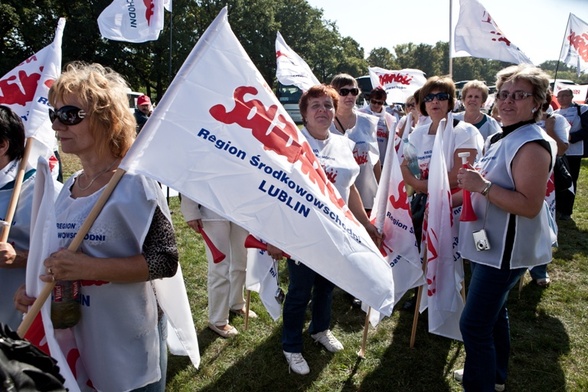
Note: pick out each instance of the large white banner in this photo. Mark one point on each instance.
(444, 266)
(478, 35)
(399, 85)
(291, 68)
(25, 90)
(574, 51)
(132, 20)
(393, 219)
(221, 137)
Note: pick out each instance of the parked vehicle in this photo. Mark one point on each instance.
(289, 97)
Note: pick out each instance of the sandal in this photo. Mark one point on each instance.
(224, 333)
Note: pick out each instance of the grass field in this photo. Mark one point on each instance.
(548, 328)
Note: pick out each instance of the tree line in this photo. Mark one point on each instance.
(27, 26)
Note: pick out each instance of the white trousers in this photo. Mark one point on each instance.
(226, 280)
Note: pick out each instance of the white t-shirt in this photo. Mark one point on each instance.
(366, 154)
(335, 155)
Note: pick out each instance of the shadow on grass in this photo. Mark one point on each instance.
(422, 368)
(538, 342)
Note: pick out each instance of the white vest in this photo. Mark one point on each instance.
(117, 335)
(532, 239)
(12, 278)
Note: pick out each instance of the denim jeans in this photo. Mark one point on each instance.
(485, 328)
(539, 272)
(305, 283)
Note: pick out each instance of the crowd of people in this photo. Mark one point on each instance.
(509, 164)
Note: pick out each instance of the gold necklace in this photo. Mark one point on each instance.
(477, 119)
(95, 177)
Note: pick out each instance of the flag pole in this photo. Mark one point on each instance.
(417, 305)
(16, 190)
(450, 38)
(73, 246)
(247, 304)
(361, 352)
(561, 49)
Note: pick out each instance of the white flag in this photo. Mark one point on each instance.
(477, 34)
(236, 152)
(574, 51)
(444, 268)
(262, 277)
(25, 90)
(291, 69)
(399, 85)
(132, 20)
(393, 219)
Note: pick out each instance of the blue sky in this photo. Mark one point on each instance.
(537, 27)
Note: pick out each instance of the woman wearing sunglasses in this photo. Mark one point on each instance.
(437, 99)
(508, 195)
(121, 333)
(475, 94)
(386, 121)
(362, 129)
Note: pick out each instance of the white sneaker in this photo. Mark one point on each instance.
(327, 339)
(458, 376)
(296, 363)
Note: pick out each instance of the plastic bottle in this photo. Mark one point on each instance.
(410, 154)
(65, 304)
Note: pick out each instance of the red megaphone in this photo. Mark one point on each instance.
(217, 255)
(467, 211)
(252, 242)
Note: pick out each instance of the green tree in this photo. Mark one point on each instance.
(382, 57)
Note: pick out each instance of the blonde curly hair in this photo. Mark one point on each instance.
(103, 93)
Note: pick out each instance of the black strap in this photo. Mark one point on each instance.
(341, 125)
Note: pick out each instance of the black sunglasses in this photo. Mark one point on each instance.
(376, 102)
(67, 115)
(345, 91)
(439, 96)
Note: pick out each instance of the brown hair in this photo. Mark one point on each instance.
(341, 80)
(317, 91)
(443, 84)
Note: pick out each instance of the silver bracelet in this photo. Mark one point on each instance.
(486, 189)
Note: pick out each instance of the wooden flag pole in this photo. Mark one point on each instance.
(73, 246)
(361, 352)
(247, 303)
(16, 190)
(417, 305)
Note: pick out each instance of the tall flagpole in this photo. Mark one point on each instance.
(561, 49)
(171, 43)
(450, 38)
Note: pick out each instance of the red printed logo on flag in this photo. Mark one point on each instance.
(580, 43)
(19, 88)
(149, 10)
(277, 135)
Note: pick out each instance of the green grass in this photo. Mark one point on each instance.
(548, 328)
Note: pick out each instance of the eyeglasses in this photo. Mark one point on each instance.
(410, 105)
(438, 96)
(345, 91)
(67, 115)
(375, 102)
(515, 95)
